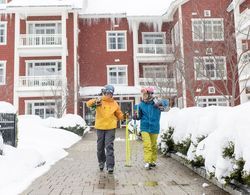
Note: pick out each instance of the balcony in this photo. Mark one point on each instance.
(155, 52)
(41, 82)
(40, 44)
(40, 40)
(159, 82)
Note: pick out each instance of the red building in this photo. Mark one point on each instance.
(58, 57)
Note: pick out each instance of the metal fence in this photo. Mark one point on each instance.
(8, 128)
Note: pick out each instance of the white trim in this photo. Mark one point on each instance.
(5, 31)
(125, 40)
(116, 66)
(4, 72)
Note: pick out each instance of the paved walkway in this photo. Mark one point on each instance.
(78, 174)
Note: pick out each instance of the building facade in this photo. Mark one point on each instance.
(55, 57)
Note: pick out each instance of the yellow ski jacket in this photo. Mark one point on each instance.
(107, 114)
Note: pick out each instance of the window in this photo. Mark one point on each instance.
(204, 101)
(245, 63)
(211, 90)
(117, 75)
(42, 108)
(2, 72)
(3, 33)
(208, 29)
(116, 41)
(154, 71)
(43, 68)
(45, 28)
(153, 38)
(210, 67)
(207, 13)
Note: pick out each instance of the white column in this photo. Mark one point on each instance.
(182, 57)
(238, 38)
(135, 45)
(135, 50)
(64, 60)
(76, 80)
(16, 62)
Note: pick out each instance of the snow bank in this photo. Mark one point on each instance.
(6, 107)
(219, 126)
(37, 145)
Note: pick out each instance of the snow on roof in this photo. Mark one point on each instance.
(46, 3)
(6, 107)
(130, 7)
(119, 90)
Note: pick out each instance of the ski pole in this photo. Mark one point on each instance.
(128, 157)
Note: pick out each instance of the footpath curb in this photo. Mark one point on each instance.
(230, 188)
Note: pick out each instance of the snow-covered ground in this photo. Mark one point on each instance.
(38, 144)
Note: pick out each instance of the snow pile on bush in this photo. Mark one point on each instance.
(217, 137)
(71, 122)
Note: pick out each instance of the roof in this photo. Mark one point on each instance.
(129, 7)
(46, 3)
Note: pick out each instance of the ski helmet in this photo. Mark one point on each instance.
(149, 90)
(109, 89)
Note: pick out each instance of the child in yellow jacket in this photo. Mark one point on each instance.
(108, 112)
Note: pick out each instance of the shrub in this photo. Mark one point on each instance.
(237, 173)
(79, 130)
(198, 161)
(167, 138)
(183, 146)
(246, 178)
(228, 152)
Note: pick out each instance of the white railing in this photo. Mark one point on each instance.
(160, 82)
(40, 40)
(40, 81)
(154, 49)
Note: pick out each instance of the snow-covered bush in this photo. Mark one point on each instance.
(167, 143)
(183, 145)
(215, 137)
(70, 122)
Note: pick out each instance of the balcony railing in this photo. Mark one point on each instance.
(34, 40)
(154, 49)
(160, 82)
(40, 81)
